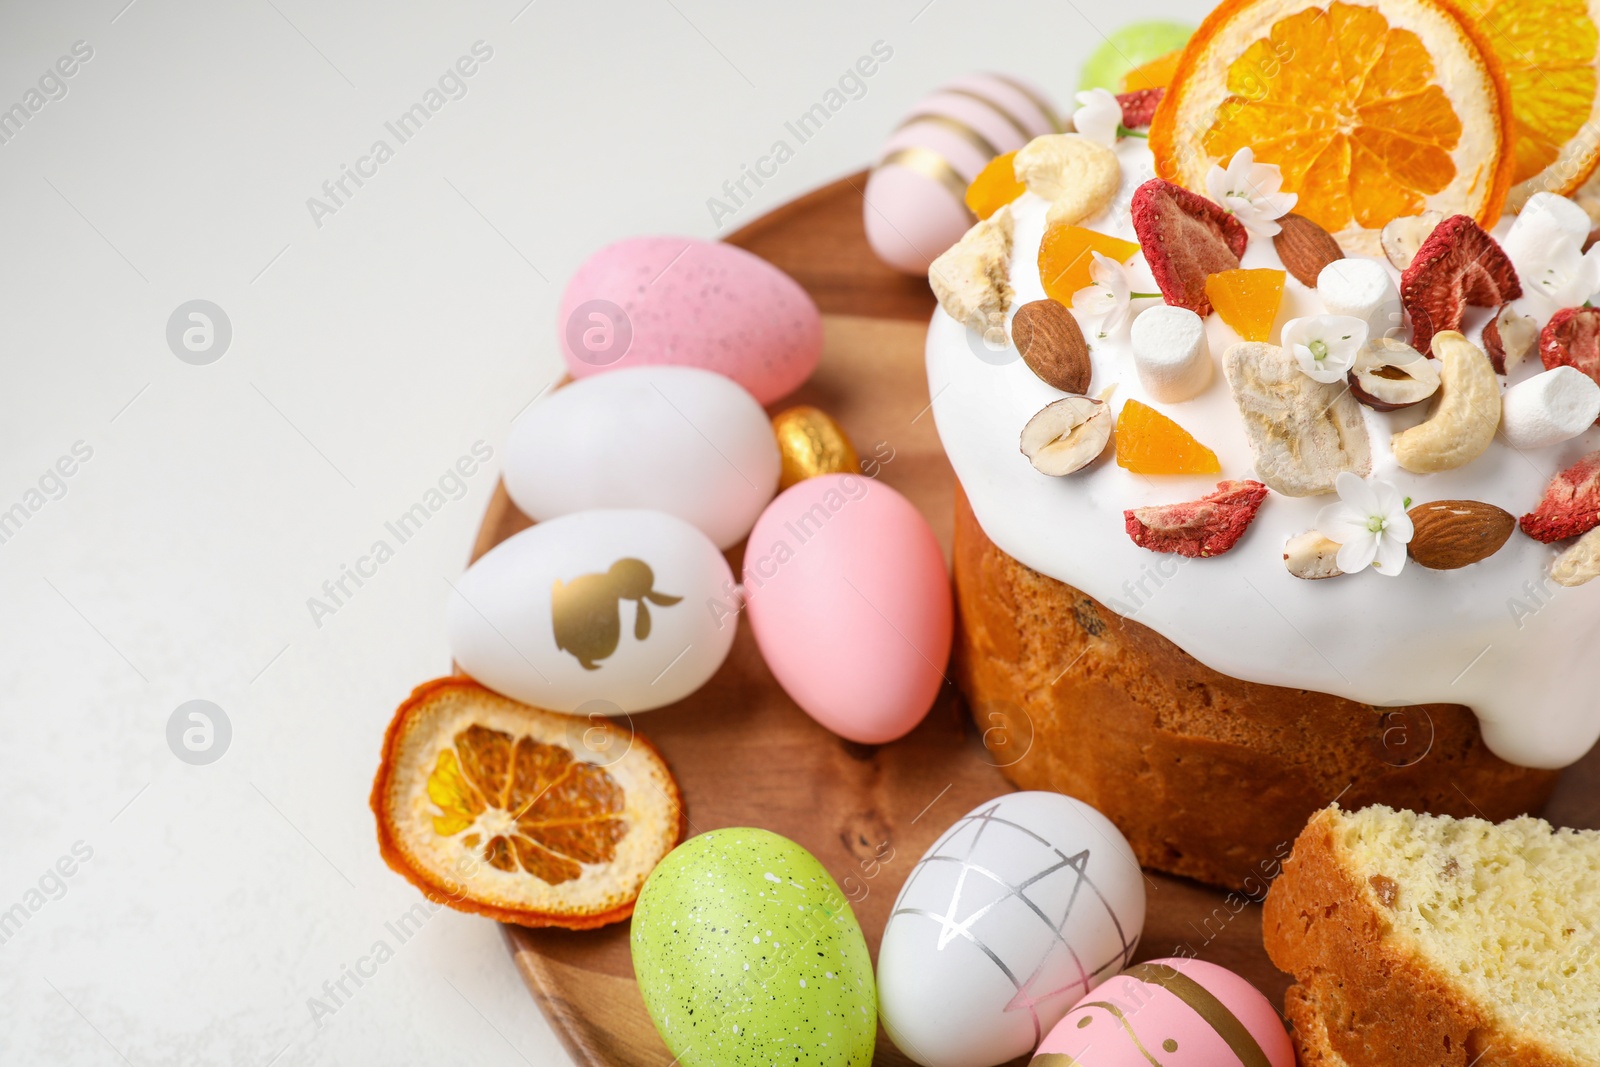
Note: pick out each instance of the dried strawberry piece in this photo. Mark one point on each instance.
(1185, 237)
(1205, 527)
(1139, 106)
(1572, 339)
(1459, 264)
(1571, 504)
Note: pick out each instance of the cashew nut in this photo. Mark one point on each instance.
(1078, 176)
(1466, 416)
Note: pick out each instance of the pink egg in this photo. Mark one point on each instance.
(915, 205)
(849, 599)
(693, 303)
(1180, 1012)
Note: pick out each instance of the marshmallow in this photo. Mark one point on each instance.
(1170, 353)
(1362, 288)
(1543, 217)
(1549, 408)
(1548, 230)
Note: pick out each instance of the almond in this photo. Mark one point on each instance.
(1050, 342)
(1453, 533)
(1305, 248)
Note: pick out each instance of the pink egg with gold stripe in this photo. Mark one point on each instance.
(914, 203)
(1169, 1013)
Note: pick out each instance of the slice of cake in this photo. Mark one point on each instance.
(1427, 941)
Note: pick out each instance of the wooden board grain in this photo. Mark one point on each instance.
(745, 754)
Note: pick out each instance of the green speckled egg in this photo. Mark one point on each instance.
(748, 956)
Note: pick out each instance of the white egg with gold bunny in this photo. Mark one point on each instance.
(605, 606)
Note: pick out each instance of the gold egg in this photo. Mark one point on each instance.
(811, 443)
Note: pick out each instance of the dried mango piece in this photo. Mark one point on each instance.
(1150, 443)
(1247, 299)
(995, 186)
(1065, 259)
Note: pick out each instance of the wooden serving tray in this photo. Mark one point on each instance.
(745, 754)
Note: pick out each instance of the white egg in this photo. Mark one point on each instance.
(1018, 910)
(677, 439)
(614, 606)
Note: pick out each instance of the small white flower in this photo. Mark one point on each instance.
(1325, 345)
(1251, 191)
(1099, 116)
(1370, 524)
(1110, 298)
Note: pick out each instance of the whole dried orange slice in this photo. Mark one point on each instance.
(1373, 110)
(524, 815)
(1550, 50)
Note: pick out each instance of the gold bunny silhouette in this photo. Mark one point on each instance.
(584, 612)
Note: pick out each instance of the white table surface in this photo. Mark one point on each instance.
(367, 354)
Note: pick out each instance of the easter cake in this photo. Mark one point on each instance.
(1425, 940)
(1275, 431)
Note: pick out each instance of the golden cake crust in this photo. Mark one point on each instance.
(1208, 776)
(1361, 1000)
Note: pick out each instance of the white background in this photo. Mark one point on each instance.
(367, 355)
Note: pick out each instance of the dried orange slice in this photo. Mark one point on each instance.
(1373, 111)
(1550, 50)
(529, 817)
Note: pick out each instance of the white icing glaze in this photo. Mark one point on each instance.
(1498, 636)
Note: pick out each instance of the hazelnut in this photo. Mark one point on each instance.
(1390, 374)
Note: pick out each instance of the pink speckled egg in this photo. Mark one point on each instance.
(915, 198)
(694, 303)
(849, 600)
(1180, 1012)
